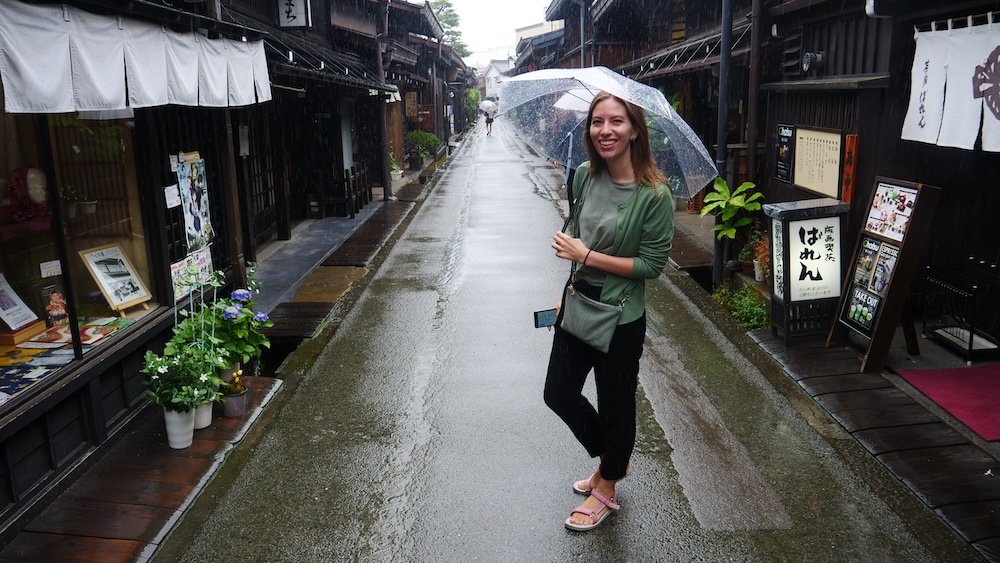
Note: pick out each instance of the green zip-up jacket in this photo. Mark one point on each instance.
(645, 232)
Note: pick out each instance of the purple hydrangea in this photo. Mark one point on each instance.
(260, 317)
(231, 313)
(242, 295)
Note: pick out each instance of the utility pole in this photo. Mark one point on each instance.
(722, 130)
(383, 128)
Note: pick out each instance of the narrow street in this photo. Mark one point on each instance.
(419, 433)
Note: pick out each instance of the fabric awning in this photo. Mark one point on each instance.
(299, 55)
(57, 59)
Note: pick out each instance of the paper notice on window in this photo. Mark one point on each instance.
(50, 268)
(172, 195)
(13, 311)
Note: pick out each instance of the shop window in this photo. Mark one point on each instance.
(72, 283)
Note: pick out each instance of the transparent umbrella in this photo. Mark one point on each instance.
(489, 106)
(548, 109)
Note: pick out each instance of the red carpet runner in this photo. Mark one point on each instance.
(971, 395)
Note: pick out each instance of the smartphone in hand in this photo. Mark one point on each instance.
(545, 318)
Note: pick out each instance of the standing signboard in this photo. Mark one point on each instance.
(807, 265)
(897, 223)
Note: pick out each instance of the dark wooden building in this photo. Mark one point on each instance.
(847, 71)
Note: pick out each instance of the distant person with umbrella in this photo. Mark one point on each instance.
(621, 235)
(489, 109)
(489, 122)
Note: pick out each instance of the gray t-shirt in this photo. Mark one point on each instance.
(599, 220)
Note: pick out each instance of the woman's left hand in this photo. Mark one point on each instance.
(569, 248)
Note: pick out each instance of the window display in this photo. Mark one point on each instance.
(98, 274)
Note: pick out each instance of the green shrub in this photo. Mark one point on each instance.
(747, 306)
(424, 142)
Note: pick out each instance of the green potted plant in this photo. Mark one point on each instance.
(748, 250)
(422, 145)
(238, 329)
(762, 258)
(180, 383)
(234, 395)
(734, 210)
(394, 168)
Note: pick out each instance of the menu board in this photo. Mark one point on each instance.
(817, 161)
(889, 214)
(896, 227)
(870, 278)
(783, 160)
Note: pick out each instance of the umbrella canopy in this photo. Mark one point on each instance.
(549, 107)
(488, 106)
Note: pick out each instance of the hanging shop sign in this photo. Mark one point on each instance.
(897, 225)
(411, 104)
(294, 13)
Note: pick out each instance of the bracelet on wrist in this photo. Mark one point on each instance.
(587, 256)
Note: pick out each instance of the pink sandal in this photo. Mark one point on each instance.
(583, 486)
(596, 516)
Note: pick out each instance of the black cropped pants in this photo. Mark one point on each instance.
(609, 430)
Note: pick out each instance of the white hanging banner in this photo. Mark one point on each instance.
(59, 59)
(986, 84)
(955, 82)
(963, 111)
(927, 79)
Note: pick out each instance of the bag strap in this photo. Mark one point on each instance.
(578, 207)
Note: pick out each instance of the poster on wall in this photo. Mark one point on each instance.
(814, 248)
(817, 161)
(889, 214)
(193, 189)
(177, 272)
(115, 276)
(783, 160)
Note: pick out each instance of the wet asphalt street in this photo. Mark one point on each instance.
(420, 434)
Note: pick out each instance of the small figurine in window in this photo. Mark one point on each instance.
(56, 309)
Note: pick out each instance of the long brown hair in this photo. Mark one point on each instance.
(643, 165)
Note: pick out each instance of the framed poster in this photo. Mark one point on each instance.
(13, 310)
(783, 160)
(115, 275)
(817, 158)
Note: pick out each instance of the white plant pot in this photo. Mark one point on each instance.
(758, 271)
(88, 207)
(180, 428)
(203, 416)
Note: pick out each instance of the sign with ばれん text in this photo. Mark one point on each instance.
(814, 252)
